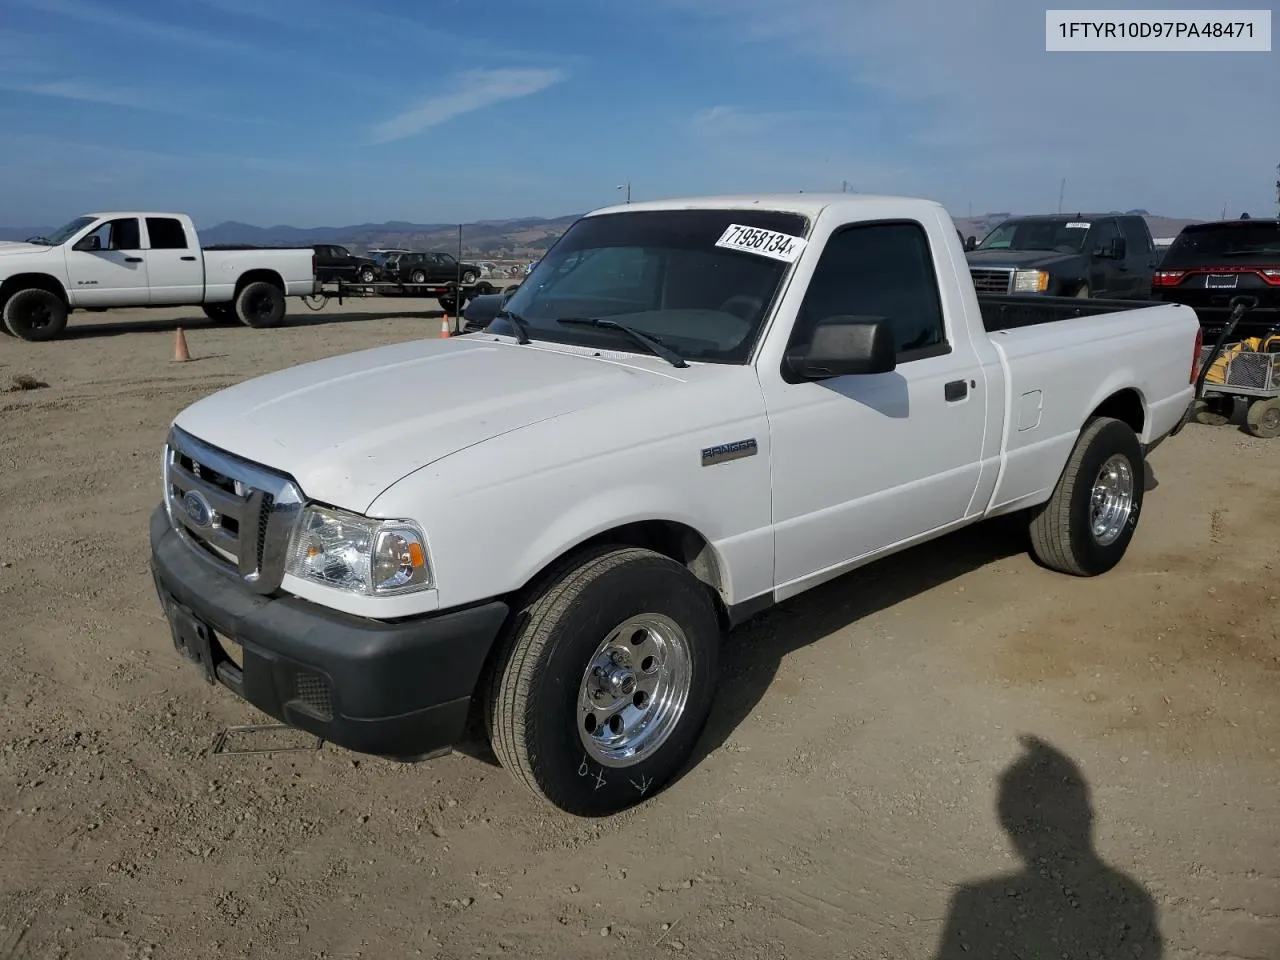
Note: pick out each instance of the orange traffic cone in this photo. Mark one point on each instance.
(444, 327)
(180, 354)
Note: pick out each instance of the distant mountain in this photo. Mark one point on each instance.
(523, 237)
(526, 236)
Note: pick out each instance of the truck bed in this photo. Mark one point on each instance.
(1010, 311)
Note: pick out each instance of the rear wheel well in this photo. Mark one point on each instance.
(1125, 406)
(29, 281)
(256, 276)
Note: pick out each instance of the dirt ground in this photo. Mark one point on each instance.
(844, 800)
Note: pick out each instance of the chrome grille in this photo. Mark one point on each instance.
(992, 280)
(236, 514)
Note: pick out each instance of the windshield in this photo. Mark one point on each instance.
(1061, 236)
(662, 273)
(1242, 243)
(64, 232)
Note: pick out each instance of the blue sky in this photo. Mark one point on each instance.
(314, 112)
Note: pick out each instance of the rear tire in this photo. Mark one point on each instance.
(35, 315)
(260, 305)
(367, 275)
(1263, 418)
(417, 276)
(606, 680)
(469, 277)
(1087, 524)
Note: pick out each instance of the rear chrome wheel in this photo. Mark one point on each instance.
(1111, 501)
(1086, 525)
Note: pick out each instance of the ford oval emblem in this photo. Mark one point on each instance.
(198, 508)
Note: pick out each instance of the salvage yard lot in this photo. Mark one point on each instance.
(845, 790)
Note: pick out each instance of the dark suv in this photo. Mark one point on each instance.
(1209, 263)
(431, 268)
(334, 262)
(1077, 255)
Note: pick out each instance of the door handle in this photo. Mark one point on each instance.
(132, 259)
(189, 258)
(955, 390)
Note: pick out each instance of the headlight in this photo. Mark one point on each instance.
(1030, 281)
(359, 555)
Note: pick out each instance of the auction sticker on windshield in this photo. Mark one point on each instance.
(767, 243)
(1078, 225)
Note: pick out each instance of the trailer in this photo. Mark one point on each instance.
(452, 296)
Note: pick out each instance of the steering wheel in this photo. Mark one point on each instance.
(742, 306)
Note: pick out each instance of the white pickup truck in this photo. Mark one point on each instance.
(131, 259)
(691, 410)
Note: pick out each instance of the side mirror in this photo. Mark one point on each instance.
(1113, 249)
(971, 243)
(843, 346)
(88, 244)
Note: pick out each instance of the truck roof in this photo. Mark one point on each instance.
(1068, 216)
(806, 204)
(114, 214)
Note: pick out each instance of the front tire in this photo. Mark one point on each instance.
(367, 275)
(35, 315)
(1087, 524)
(469, 277)
(418, 276)
(606, 680)
(260, 305)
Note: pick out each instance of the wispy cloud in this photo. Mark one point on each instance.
(84, 92)
(732, 122)
(368, 25)
(112, 16)
(472, 90)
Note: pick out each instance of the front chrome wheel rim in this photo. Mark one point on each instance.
(634, 690)
(1111, 501)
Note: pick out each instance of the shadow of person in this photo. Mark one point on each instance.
(1066, 904)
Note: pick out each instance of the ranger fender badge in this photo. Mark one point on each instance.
(724, 452)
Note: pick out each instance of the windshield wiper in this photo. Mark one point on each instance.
(517, 321)
(650, 343)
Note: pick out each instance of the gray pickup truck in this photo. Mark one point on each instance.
(1109, 256)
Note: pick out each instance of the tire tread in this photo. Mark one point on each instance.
(1051, 525)
(507, 712)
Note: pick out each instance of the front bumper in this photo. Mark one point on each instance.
(398, 689)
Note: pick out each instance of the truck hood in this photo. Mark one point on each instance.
(348, 427)
(1040, 259)
(9, 248)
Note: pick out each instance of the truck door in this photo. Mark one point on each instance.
(862, 463)
(1107, 276)
(443, 267)
(175, 265)
(106, 268)
(1140, 257)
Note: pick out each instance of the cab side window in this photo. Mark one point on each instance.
(879, 271)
